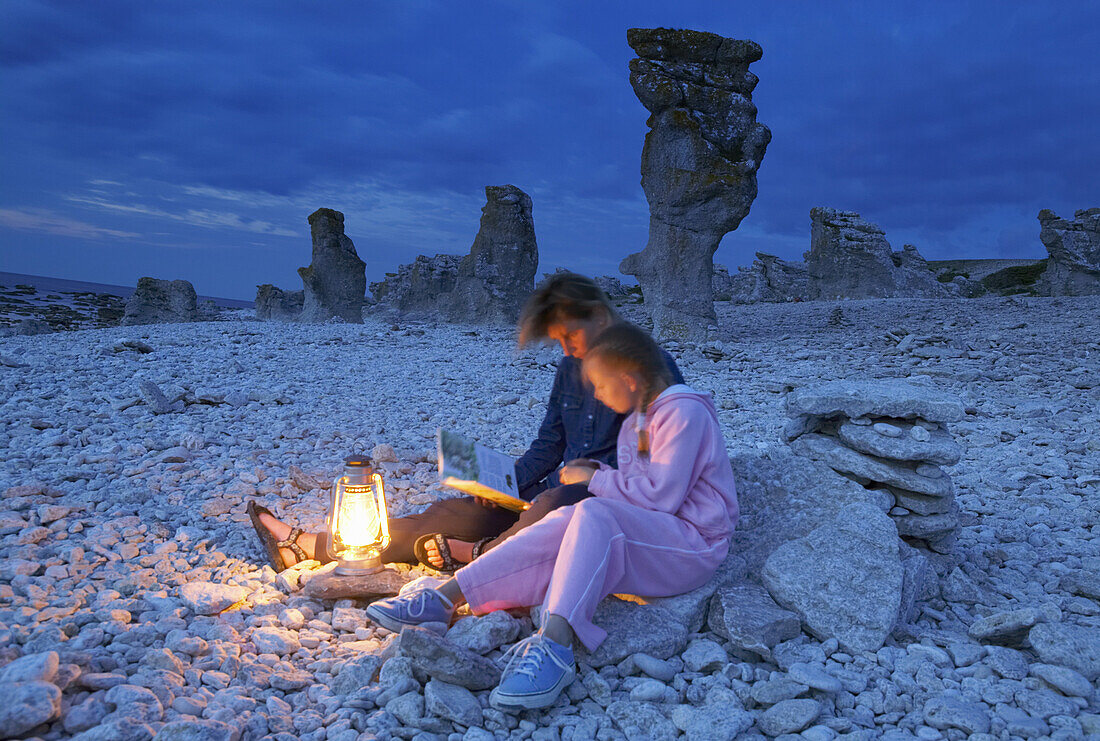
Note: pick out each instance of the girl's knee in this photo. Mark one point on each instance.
(595, 507)
(561, 496)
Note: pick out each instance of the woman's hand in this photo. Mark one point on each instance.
(576, 474)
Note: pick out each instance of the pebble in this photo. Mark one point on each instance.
(1065, 680)
(788, 716)
(815, 677)
(887, 430)
(657, 668)
(40, 667)
(276, 641)
(27, 705)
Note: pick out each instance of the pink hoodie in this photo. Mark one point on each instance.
(687, 472)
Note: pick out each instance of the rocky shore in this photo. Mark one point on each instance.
(134, 602)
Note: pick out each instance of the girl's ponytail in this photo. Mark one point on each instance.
(639, 425)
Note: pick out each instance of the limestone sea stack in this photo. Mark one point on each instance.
(488, 285)
(699, 166)
(274, 303)
(849, 257)
(161, 301)
(335, 282)
(1073, 265)
(498, 275)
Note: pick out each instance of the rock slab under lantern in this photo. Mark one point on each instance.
(330, 585)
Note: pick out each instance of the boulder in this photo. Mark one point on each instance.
(784, 497)
(788, 716)
(439, 658)
(844, 579)
(949, 711)
(482, 634)
(1073, 265)
(635, 628)
(699, 164)
(335, 281)
(275, 304)
(917, 579)
(747, 616)
(850, 258)
(326, 584)
(196, 730)
(453, 702)
(161, 301)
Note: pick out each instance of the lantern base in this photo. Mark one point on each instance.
(356, 565)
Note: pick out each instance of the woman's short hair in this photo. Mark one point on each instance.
(560, 297)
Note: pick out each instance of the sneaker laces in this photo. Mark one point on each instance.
(526, 657)
(417, 602)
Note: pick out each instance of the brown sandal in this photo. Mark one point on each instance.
(269, 542)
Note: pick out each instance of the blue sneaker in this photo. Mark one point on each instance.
(414, 608)
(536, 674)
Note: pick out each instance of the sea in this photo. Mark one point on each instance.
(59, 285)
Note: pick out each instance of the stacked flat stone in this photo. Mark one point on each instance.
(890, 436)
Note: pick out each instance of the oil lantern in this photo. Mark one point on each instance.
(357, 523)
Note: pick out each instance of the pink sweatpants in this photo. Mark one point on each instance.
(577, 555)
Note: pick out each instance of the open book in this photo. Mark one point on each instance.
(478, 470)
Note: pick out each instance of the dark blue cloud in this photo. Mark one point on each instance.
(221, 124)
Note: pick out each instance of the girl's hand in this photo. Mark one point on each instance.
(576, 474)
(595, 465)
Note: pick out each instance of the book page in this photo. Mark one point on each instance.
(478, 470)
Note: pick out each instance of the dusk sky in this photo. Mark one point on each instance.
(192, 139)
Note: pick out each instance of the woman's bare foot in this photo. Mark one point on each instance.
(461, 550)
(308, 541)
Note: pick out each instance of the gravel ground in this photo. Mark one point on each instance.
(111, 508)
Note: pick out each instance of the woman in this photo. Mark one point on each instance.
(571, 310)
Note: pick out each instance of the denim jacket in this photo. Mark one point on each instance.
(576, 426)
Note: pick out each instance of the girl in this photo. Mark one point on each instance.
(657, 525)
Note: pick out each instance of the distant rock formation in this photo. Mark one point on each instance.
(335, 282)
(276, 304)
(770, 279)
(30, 327)
(161, 301)
(699, 166)
(488, 285)
(418, 286)
(613, 287)
(721, 283)
(1073, 268)
(850, 258)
